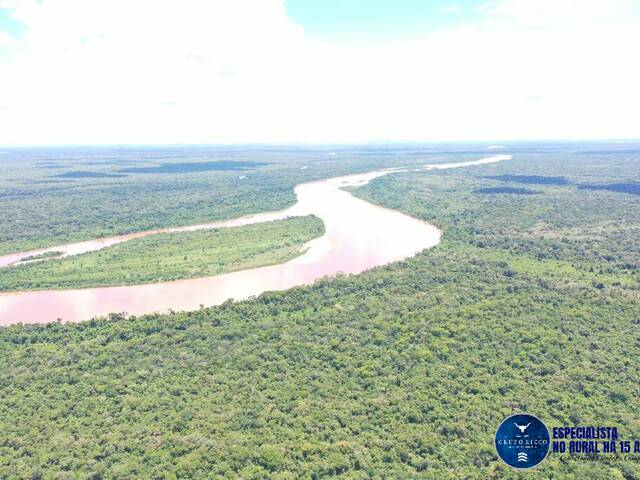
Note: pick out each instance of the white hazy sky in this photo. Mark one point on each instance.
(237, 71)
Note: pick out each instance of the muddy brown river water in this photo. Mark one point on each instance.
(359, 236)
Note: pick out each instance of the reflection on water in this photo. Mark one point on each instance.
(359, 236)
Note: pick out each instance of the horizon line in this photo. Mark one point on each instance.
(326, 144)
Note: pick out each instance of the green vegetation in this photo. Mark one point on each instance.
(530, 179)
(514, 191)
(62, 195)
(42, 256)
(530, 303)
(593, 230)
(630, 188)
(170, 256)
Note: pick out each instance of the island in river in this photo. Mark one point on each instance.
(358, 236)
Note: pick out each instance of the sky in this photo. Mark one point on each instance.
(308, 71)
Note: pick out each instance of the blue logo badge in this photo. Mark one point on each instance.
(522, 441)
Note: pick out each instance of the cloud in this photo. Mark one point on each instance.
(560, 13)
(89, 71)
(7, 40)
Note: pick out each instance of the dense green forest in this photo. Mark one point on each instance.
(169, 256)
(530, 303)
(54, 196)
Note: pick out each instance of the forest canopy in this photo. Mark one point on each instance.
(530, 303)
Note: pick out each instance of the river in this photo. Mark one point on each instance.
(358, 236)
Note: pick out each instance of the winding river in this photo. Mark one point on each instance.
(359, 236)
